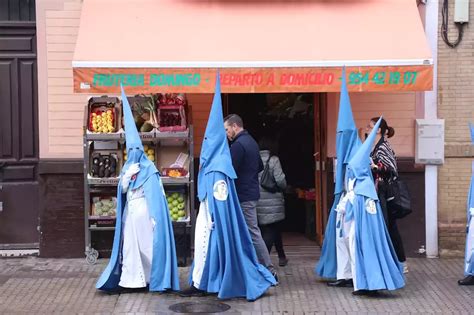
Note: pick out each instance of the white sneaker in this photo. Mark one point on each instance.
(405, 267)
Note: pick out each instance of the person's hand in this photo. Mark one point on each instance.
(372, 164)
(132, 170)
(210, 225)
(127, 176)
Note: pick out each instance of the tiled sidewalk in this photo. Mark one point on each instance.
(34, 285)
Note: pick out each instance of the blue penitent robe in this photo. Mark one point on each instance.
(347, 142)
(164, 267)
(230, 267)
(469, 254)
(376, 263)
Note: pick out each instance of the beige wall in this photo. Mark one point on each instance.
(456, 106)
(399, 109)
(60, 110)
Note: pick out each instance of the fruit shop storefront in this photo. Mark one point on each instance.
(278, 62)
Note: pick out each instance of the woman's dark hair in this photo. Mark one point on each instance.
(268, 143)
(385, 129)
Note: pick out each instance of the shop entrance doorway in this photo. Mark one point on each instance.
(297, 122)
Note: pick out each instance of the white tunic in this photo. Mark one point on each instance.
(345, 237)
(203, 230)
(470, 240)
(137, 248)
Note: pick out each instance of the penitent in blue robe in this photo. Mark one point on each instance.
(347, 142)
(164, 266)
(469, 254)
(376, 263)
(230, 268)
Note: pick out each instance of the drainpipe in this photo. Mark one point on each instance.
(430, 108)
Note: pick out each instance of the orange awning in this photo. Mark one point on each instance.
(258, 46)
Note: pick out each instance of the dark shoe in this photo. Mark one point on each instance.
(469, 280)
(366, 292)
(282, 262)
(341, 283)
(191, 291)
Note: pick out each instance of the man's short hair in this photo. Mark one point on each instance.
(234, 119)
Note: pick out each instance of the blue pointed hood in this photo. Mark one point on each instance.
(215, 153)
(132, 137)
(134, 146)
(359, 166)
(347, 138)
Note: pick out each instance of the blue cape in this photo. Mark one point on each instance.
(469, 255)
(347, 142)
(231, 268)
(164, 267)
(377, 265)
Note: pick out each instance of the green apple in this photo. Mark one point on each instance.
(180, 199)
(181, 213)
(180, 206)
(169, 199)
(175, 195)
(175, 202)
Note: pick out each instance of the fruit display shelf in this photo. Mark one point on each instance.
(112, 228)
(105, 181)
(101, 217)
(166, 180)
(98, 136)
(152, 135)
(101, 228)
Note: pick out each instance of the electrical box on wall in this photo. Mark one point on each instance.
(429, 141)
(461, 11)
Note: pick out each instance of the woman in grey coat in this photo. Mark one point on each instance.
(271, 206)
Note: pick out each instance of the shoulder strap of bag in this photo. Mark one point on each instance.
(268, 160)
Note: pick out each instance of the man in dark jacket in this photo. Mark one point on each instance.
(247, 164)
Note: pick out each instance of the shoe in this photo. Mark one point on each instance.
(274, 274)
(282, 262)
(469, 280)
(341, 283)
(192, 291)
(405, 267)
(365, 292)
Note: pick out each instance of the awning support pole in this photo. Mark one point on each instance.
(431, 106)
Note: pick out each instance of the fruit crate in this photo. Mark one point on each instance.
(144, 113)
(105, 164)
(150, 151)
(171, 118)
(178, 204)
(103, 207)
(104, 115)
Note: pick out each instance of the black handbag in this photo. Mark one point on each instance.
(398, 198)
(267, 181)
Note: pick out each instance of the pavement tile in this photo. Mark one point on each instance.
(67, 286)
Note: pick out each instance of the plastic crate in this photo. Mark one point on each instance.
(99, 106)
